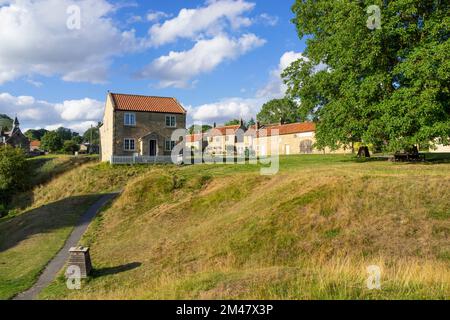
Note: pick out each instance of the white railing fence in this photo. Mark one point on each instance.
(143, 159)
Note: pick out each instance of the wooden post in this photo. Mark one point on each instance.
(79, 256)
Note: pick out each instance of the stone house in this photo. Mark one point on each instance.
(226, 140)
(136, 125)
(196, 142)
(15, 137)
(35, 146)
(292, 138)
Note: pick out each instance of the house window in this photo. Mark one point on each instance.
(129, 144)
(171, 121)
(217, 139)
(170, 144)
(130, 119)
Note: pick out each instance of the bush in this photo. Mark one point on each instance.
(14, 173)
(71, 146)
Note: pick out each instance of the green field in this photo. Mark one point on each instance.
(225, 231)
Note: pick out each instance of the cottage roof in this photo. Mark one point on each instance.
(131, 102)
(194, 137)
(290, 128)
(221, 131)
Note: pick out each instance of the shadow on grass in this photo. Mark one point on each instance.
(45, 219)
(97, 273)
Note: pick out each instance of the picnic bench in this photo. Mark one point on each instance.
(409, 155)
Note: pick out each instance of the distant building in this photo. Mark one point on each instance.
(261, 140)
(15, 137)
(196, 142)
(35, 145)
(226, 140)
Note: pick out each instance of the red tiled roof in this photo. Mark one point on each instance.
(35, 143)
(290, 128)
(223, 130)
(130, 102)
(194, 137)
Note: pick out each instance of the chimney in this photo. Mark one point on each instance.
(241, 122)
(258, 125)
(214, 125)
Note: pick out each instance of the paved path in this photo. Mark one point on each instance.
(58, 262)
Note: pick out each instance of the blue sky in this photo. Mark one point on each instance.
(220, 58)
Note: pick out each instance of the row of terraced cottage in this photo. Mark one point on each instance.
(136, 126)
(142, 126)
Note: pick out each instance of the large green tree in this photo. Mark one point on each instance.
(387, 85)
(279, 110)
(52, 141)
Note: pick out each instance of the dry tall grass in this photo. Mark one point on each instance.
(308, 232)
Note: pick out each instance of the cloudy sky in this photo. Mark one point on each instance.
(220, 58)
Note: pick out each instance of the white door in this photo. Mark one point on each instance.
(287, 149)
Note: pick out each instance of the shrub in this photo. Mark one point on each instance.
(14, 172)
(71, 146)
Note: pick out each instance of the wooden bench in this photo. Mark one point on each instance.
(409, 157)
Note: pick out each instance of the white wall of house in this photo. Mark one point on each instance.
(107, 131)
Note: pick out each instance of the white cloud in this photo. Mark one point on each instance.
(268, 19)
(35, 39)
(77, 115)
(210, 20)
(246, 108)
(154, 16)
(80, 109)
(224, 110)
(177, 68)
(275, 88)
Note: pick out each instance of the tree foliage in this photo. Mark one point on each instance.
(70, 146)
(387, 86)
(92, 134)
(5, 122)
(66, 134)
(232, 122)
(196, 128)
(33, 134)
(14, 172)
(51, 142)
(279, 110)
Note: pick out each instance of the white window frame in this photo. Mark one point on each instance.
(171, 117)
(172, 144)
(129, 144)
(129, 114)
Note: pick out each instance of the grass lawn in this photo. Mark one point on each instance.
(41, 219)
(309, 232)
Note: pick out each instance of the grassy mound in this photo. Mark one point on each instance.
(309, 232)
(41, 219)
